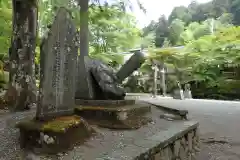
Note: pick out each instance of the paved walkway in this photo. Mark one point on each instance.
(219, 125)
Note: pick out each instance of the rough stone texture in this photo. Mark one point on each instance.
(135, 62)
(116, 117)
(218, 120)
(58, 66)
(105, 103)
(178, 149)
(162, 145)
(106, 80)
(97, 81)
(55, 135)
(174, 111)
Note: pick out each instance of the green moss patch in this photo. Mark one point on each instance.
(60, 124)
(98, 108)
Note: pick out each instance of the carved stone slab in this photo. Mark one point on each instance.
(58, 68)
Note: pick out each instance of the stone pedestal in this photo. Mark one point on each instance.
(128, 116)
(55, 135)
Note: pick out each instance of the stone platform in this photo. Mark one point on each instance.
(158, 140)
(105, 103)
(55, 135)
(129, 116)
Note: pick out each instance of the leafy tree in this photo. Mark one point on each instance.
(162, 31)
(182, 13)
(175, 30)
(150, 28)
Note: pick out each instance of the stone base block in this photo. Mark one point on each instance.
(53, 136)
(116, 117)
(105, 103)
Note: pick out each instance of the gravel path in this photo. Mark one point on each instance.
(9, 146)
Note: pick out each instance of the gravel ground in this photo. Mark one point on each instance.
(219, 128)
(9, 146)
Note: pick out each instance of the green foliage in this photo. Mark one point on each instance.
(180, 13)
(108, 33)
(175, 30)
(161, 31)
(5, 28)
(203, 60)
(196, 19)
(111, 30)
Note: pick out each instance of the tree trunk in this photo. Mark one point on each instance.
(84, 31)
(22, 87)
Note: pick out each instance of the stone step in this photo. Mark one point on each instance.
(116, 117)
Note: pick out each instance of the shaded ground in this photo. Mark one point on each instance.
(107, 142)
(219, 126)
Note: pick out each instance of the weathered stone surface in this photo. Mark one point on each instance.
(105, 103)
(177, 146)
(58, 68)
(135, 62)
(159, 145)
(97, 81)
(190, 141)
(106, 79)
(171, 117)
(55, 135)
(174, 111)
(116, 117)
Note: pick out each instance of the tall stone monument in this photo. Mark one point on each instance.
(55, 128)
(58, 68)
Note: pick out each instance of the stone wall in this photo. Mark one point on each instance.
(184, 148)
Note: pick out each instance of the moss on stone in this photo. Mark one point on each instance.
(61, 124)
(30, 125)
(102, 108)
